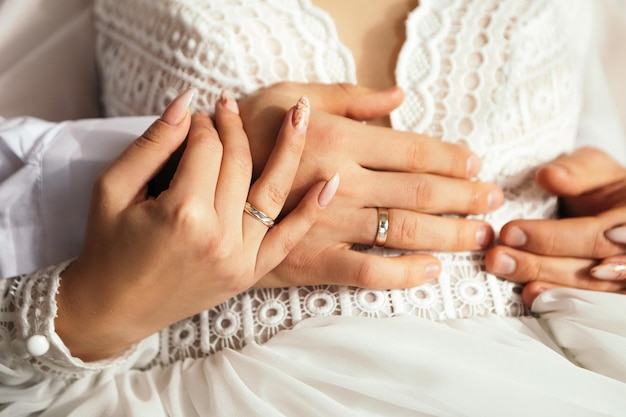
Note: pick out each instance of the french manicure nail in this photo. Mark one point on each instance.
(483, 236)
(494, 199)
(609, 272)
(473, 166)
(229, 101)
(432, 271)
(515, 237)
(504, 265)
(300, 117)
(617, 234)
(176, 111)
(328, 192)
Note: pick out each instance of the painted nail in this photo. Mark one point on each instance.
(328, 192)
(494, 199)
(229, 101)
(617, 234)
(483, 236)
(432, 271)
(609, 272)
(176, 111)
(515, 237)
(504, 265)
(473, 166)
(300, 118)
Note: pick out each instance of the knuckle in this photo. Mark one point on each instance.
(295, 145)
(408, 230)
(151, 139)
(103, 187)
(422, 193)
(537, 270)
(188, 214)
(276, 193)
(461, 238)
(416, 156)
(241, 157)
(206, 137)
(366, 274)
(600, 246)
(287, 243)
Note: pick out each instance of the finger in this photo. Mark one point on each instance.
(199, 166)
(525, 267)
(430, 193)
(348, 267)
(270, 191)
(582, 237)
(382, 148)
(414, 231)
(128, 175)
(354, 101)
(281, 239)
(532, 290)
(339, 265)
(236, 169)
(569, 175)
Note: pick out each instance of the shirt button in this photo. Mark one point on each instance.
(37, 345)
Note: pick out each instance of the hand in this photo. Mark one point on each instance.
(562, 253)
(413, 175)
(149, 262)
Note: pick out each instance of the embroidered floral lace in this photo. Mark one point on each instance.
(494, 75)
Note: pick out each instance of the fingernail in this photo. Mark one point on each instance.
(484, 236)
(176, 111)
(617, 234)
(504, 265)
(610, 271)
(473, 166)
(328, 192)
(229, 101)
(494, 199)
(300, 118)
(432, 271)
(515, 237)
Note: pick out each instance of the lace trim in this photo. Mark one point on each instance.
(29, 308)
(258, 314)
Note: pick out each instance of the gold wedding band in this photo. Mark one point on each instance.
(383, 227)
(259, 215)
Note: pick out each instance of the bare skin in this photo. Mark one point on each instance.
(374, 39)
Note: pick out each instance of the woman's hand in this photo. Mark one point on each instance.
(149, 262)
(565, 253)
(413, 175)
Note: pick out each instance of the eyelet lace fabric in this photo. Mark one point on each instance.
(496, 76)
(29, 308)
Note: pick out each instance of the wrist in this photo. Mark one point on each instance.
(88, 331)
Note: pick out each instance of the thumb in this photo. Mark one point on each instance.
(131, 171)
(582, 171)
(354, 101)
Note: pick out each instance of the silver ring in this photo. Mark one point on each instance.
(259, 215)
(383, 227)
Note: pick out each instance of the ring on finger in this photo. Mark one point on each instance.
(259, 215)
(383, 227)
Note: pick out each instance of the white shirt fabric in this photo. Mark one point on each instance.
(569, 362)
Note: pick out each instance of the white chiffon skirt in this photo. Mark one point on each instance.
(570, 362)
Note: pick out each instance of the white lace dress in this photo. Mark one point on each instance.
(507, 78)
